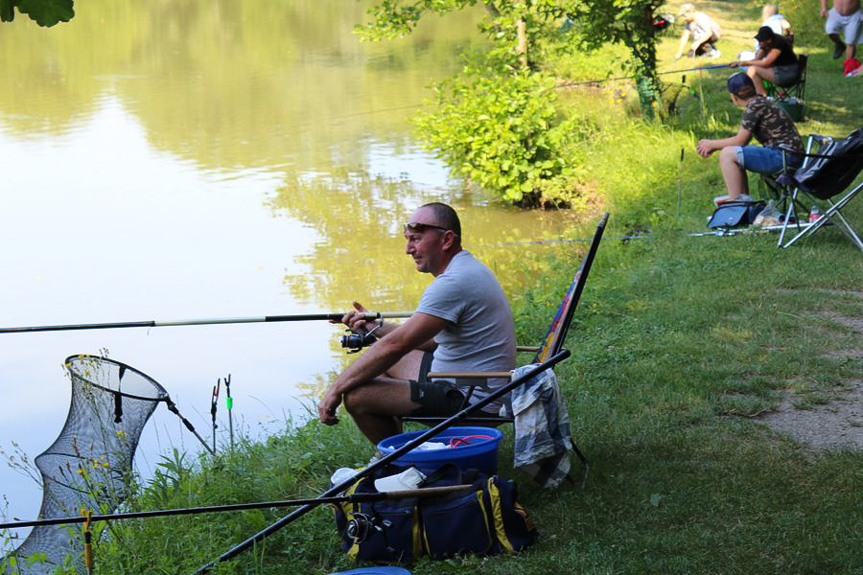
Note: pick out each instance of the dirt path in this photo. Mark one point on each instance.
(837, 424)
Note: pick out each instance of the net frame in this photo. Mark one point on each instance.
(89, 465)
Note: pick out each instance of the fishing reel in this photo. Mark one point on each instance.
(361, 526)
(360, 338)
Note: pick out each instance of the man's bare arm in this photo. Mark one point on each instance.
(415, 333)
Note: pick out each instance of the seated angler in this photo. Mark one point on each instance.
(781, 145)
(775, 61)
(463, 323)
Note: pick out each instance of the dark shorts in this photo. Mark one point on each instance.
(786, 76)
(435, 398)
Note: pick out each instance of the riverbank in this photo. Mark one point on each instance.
(682, 347)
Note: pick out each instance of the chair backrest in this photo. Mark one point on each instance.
(836, 167)
(799, 89)
(552, 343)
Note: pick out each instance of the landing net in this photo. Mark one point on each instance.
(89, 465)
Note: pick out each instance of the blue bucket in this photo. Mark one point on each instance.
(468, 452)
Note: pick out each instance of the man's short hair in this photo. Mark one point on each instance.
(445, 216)
(741, 85)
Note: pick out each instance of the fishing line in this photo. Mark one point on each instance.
(605, 80)
(555, 241)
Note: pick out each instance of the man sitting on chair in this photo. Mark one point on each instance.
(463, 323)
(769, 124)
(775, 61)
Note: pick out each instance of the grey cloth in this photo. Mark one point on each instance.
(480, 331)
(542, 433)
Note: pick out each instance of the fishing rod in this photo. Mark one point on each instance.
(352, 498)
(210, 321)
(696, 69)
(410, 445)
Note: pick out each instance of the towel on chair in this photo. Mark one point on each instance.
(542, 435)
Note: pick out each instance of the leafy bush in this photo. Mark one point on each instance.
(502, 132)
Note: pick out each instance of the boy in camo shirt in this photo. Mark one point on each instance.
(781, 144)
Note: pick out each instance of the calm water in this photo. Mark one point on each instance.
(201, 159)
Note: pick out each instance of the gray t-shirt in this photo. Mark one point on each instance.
(480, 333)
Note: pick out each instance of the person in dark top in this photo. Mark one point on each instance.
(775, 61)
(781, 145)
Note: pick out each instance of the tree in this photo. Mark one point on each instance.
(496, 124)
(45, 12)
(526, 28)
(627, 22)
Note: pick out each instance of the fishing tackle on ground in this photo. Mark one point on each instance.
(387, 459)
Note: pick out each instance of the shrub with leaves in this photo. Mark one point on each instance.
(501, 132)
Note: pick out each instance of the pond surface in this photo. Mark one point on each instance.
(211, 159)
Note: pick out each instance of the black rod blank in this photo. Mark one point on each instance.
(209, 321)
(356, 497)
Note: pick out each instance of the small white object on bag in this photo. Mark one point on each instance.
(410, 478)
(342, 474)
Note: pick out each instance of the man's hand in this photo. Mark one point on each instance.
(354, 318)
(327, 408)
(705, 148)
(824, 12)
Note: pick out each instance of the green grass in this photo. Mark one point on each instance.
(678, 343)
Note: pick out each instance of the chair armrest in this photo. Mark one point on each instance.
(531, 348)
(469, 374)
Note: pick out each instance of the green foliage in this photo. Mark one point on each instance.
(497, 124)
(627, 22)
(290, 465)
(45, 12)
(805, 20)
(395, 18)
(502, 132)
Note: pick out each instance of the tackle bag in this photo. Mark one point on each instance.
(486, 519)
(735, 214)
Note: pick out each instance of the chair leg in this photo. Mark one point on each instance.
(584, 462)
(836, 209)
(789, 212)
(829, 215)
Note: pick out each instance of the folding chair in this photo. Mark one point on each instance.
(826, 175)
(791, 98)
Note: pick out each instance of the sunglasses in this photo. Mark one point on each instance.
(418, 227)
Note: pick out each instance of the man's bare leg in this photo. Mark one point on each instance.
(377, 406)
(758, 75)
(736, 182)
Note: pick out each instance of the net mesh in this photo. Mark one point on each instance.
(89, 465)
